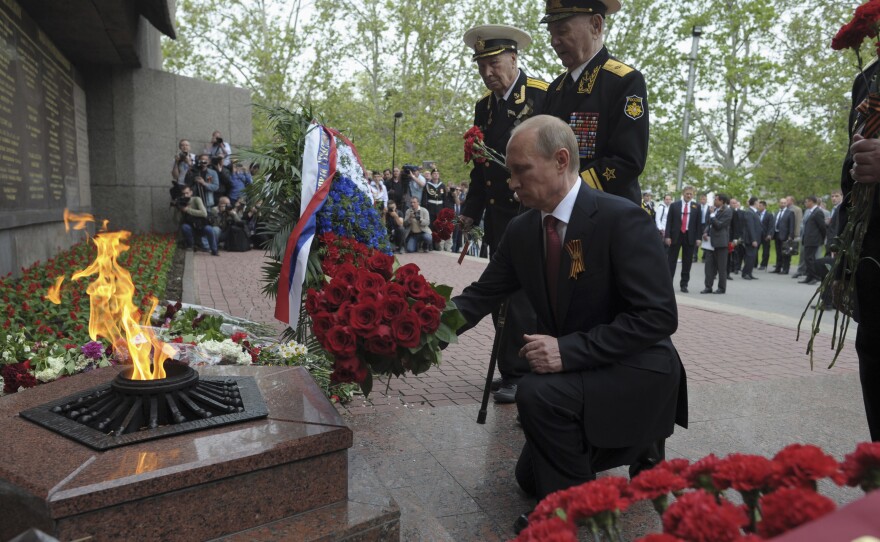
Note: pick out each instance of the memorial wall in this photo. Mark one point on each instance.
(38, 117)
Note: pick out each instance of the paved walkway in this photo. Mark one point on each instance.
(751, 390)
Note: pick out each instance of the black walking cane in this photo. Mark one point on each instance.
(496, 345)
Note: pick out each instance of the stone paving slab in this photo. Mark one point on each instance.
(717, 343)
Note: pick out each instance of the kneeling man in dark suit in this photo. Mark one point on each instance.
(606, 385)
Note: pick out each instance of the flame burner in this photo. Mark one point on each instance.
(126, 411)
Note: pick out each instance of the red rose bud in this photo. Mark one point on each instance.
(381, 341)
(349, 369)
(341, 342)
(367, 280)
(365, 316)
(336, 293)
(405, 272)
(406, 330)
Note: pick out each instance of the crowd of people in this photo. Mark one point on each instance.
(208, 197)
(735, 239)
(411, 202)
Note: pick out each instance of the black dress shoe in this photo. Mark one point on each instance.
(796, 276)
(521, 523)
(684, 289)
(808, 281)
(706, 291)
(777, 271)
(729, 277)
(718, 291)
(762, 268)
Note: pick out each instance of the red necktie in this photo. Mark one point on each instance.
(551, 260)
(684, 220)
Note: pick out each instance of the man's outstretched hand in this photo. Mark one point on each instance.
(542, 353)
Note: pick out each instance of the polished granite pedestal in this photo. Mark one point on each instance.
(286, 477)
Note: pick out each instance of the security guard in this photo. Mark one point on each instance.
(602, 99)
(513, 97)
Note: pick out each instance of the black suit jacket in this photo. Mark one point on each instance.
(614, 319)
(751, 227)
(784, 226)
(673, 223)
(815, 228)
(767, 224)
(608, 110)
(488, 188)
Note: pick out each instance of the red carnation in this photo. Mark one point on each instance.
(802, 465)
(367, 280)
(363, 317)
(392, 307)
(597, 497)
(676, 466)
(348, 369)
(381, 263)
(17, 375)
(698, 517)
(380, 341)
(656, 484)
(862, 467)
(787, 508)
(406, 329)
(340, 341)
(699, 475)
(551, 530)
(661, 537)
(744, 472)
(238, 336)
(406, 272)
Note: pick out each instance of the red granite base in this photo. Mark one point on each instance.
(194, 486)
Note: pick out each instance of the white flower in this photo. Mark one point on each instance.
(6, 355)
(292, 349)
(227, 350)
(26, 348)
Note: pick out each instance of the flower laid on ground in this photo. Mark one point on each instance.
(230, 352)
(779, 495)
(862, 467)
(789, 507)
(443, 226)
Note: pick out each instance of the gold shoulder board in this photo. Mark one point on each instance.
(537, 83)
(616, 67)
(873, 60)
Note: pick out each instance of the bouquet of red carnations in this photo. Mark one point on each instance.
(779, 494)
(375, 319)
(475, 148)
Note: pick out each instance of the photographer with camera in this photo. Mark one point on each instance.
(183, 161)
(203, 180)
(224, 176)
(394, 225)
(234, 234)
(193, 217)
(219, 148)
(414, 182)
(418, 227)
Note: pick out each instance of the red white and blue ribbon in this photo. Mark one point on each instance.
(319, 167)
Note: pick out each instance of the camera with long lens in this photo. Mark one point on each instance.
(181, 202)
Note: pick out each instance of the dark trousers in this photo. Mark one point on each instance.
(557, 454)
(519, 320)
(808, 260)
(687, 258)
(783, 261)
(765, 254)
(735, 259)
(749, 260)
(716, 263)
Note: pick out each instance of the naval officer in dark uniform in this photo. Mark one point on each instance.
(512, 98)
(602, 99)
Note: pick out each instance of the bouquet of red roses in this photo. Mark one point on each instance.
(443, 226)
(779, 494)
(375, 319)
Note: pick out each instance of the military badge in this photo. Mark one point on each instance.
(480, 46)
(609, 174)
(633, 107)
(576, 252)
